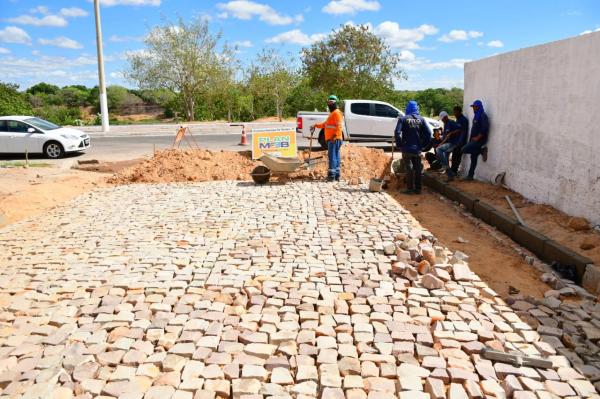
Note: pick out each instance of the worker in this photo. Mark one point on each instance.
(479, 136)
(333, 136)
(464, 133)
(450, 139)
(412, 135)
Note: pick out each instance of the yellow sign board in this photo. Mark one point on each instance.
(277, 144)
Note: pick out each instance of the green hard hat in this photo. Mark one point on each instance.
(332, 98)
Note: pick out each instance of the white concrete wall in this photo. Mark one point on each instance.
(544, 108)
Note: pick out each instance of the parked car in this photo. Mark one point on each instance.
(364, 120)
(20, 134)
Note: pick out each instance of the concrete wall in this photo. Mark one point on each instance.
(544, 108)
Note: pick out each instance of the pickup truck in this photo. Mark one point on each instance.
(364, 121)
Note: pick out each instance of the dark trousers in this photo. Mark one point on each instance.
(457, 157)
(434, 163)
(472, 148)
(413, 167)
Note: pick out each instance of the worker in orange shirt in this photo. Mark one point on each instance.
(333, 136)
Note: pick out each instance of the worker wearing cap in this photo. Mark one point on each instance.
(479, 136)
(333, 136)
(451, 138)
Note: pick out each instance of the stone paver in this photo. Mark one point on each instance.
(227, 289)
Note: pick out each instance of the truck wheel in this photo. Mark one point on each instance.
(322, 141)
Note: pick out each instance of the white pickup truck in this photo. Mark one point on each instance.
(364, 120)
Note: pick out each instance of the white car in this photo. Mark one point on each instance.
(364, 121)
(20, 134)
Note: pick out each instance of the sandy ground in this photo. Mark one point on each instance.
(30, 192)
(496, 264)
(571, 232)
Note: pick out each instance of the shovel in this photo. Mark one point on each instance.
(310, 162)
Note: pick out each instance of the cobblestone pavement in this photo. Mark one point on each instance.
(230, 290)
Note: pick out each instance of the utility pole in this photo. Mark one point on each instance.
(103, 103)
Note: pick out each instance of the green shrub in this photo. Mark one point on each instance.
(12, 102)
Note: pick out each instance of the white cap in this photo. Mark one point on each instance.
(443, 114)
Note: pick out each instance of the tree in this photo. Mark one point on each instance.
(352, 62)
(272, 76)
(12, 102)
(180, 57)
(73, 96)
(42, 87)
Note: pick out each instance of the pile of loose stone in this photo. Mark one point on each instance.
(568, 318)
(227, 289)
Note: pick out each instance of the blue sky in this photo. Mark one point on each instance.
(54, 41)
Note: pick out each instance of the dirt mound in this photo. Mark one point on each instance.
(205, 165)
(188, 165)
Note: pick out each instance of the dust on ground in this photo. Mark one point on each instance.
(574, 233)
(26, 192)
(499, 266)
(205, 165)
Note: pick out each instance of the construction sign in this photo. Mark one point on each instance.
(275, 143)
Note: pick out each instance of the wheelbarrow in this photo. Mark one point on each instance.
(279, 166)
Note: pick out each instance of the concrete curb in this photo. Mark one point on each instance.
(543, 247)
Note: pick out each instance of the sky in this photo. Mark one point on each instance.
(54, 41)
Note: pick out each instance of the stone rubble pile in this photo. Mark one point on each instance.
(229, 290)
(568, 319)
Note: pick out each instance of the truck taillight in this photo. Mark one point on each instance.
(299, 122)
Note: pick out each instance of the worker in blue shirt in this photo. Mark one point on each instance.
(479, 136)
(464, 134)
(451, 138)
(412, 134)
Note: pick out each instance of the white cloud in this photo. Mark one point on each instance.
(416, 64)
(296, 36)
(12, 34)
(585, 32)
(40, 9)
(415, 82)
(243, 43)
(457, 35)
(110, 3)
(122, 39)
(403, 38)
(48, 20)
(4, 50)
(73, 12)
(406, 55)
(495, 43)
(351, 6)
(246, 10)
(56, 70)
(62, 42)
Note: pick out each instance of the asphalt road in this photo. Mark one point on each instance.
(121, 147)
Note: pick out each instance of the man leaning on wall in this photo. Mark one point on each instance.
(479, 135)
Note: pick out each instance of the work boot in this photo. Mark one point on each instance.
(330, 178)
